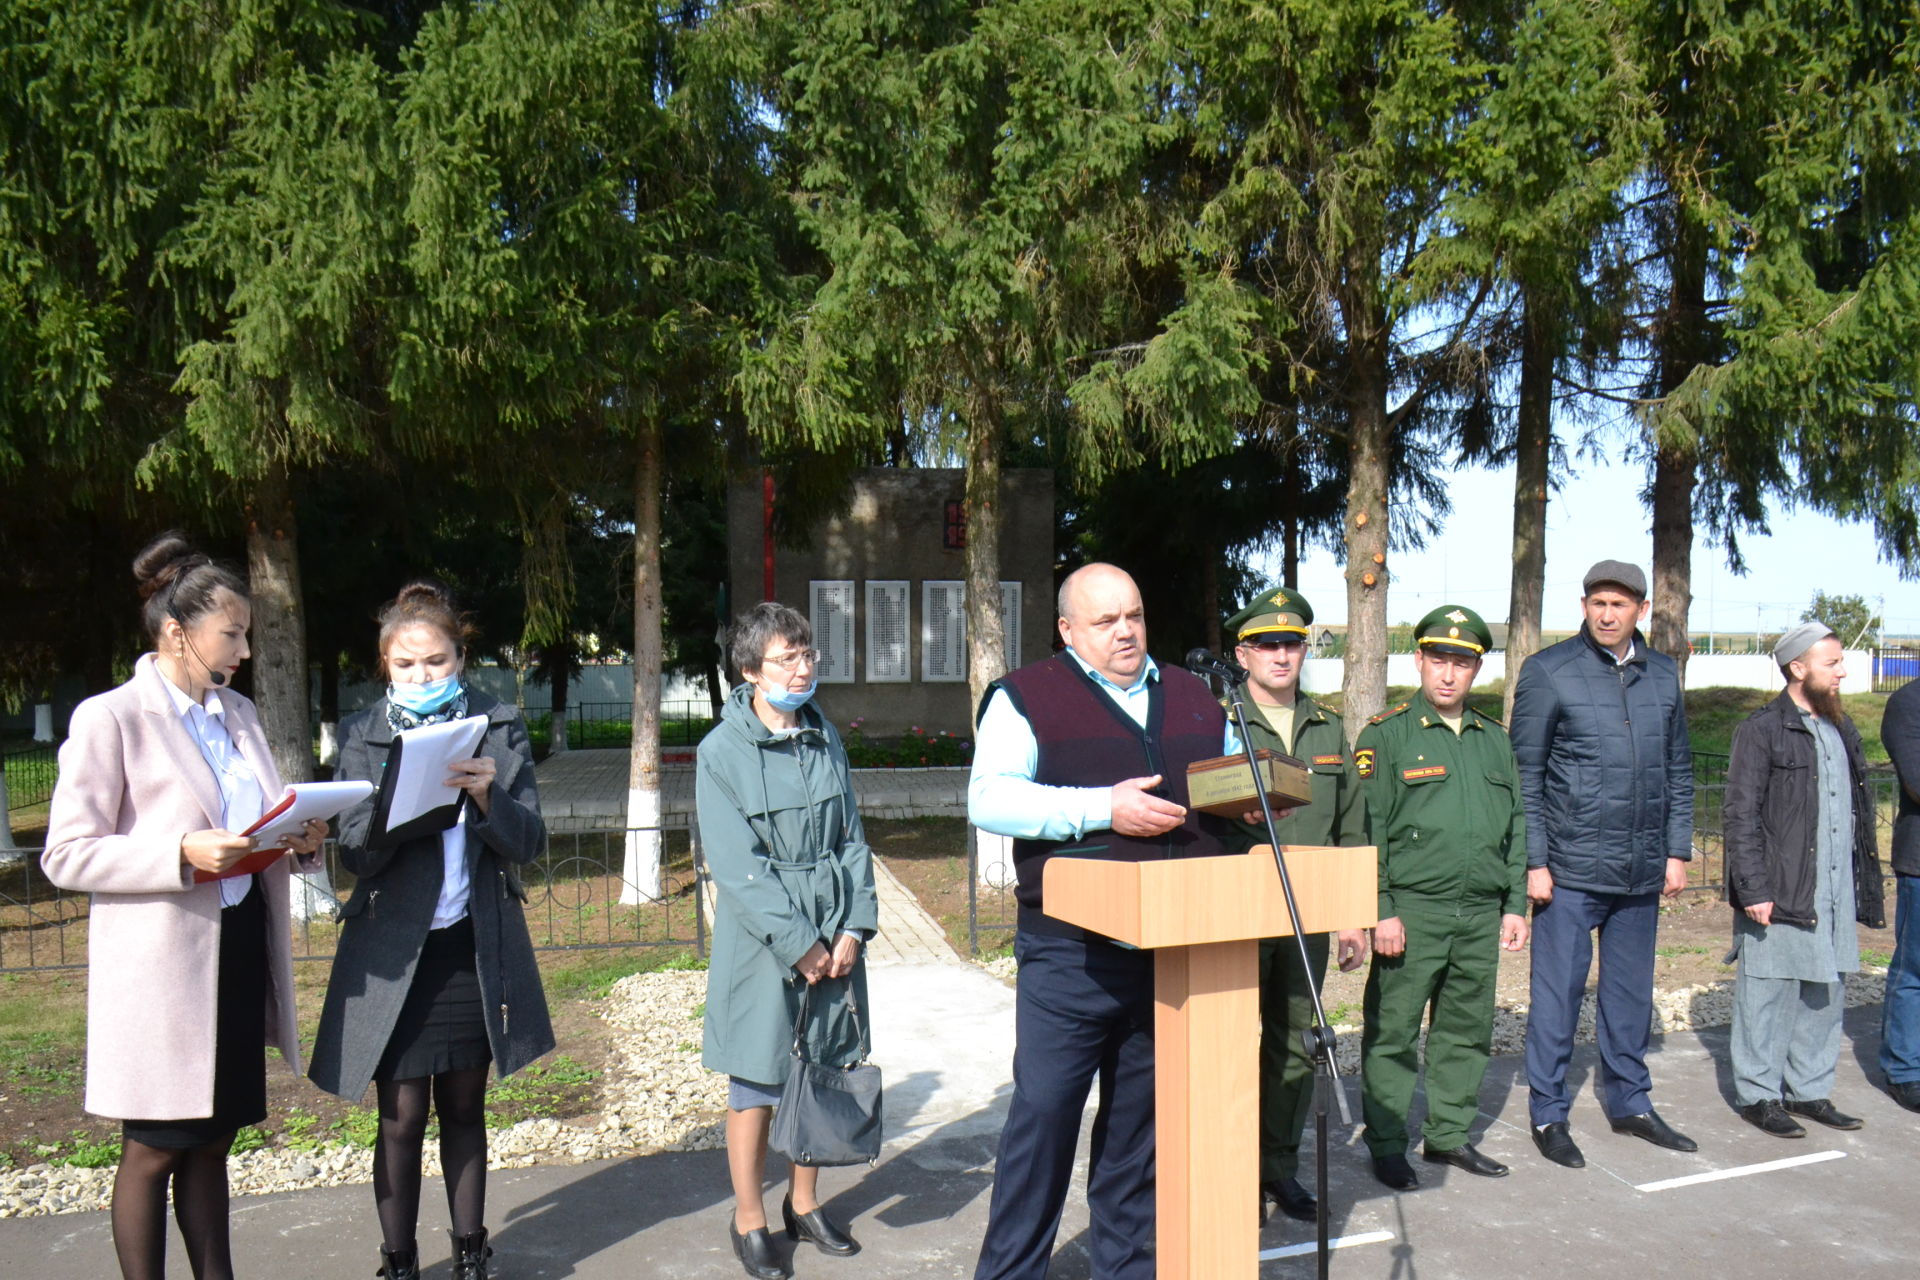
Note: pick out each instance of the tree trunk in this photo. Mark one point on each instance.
(280, 677)
(986, 636)
(560, 665)
(279, 626)
(1676, 461)
(641, 878)
(1290, 522)
(329, 710)
(1210, 615)
(1533, 453)
(1366, 516)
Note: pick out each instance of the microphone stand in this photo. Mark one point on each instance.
(1318, 1038)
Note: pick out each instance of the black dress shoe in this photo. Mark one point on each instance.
(1822, 1111)
(819, 1228)
(1465, 1156)
(1906, 1093)
(1292, 1199)
(1557, 1145)
(756, 1252)
(1770, 1117)
(1395, 1172)
(1650, 1126)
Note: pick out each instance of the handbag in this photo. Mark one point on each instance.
(827, 1115)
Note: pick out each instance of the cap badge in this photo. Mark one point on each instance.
(1456, 616)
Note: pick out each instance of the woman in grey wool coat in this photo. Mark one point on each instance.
(435, 974)
(795, 905)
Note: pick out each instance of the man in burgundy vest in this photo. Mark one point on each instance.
(1085, 755)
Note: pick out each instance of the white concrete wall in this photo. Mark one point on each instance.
(1704, 671)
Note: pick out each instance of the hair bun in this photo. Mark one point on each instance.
(162, 561)
(424, 591)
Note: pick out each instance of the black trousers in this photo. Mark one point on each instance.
(1084, 1012)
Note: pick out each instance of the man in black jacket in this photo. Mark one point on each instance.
(1799, 828)
(1600, 733)
(1900, 1014)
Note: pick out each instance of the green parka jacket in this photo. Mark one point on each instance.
(790, 866)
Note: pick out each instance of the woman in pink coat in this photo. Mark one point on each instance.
(188, 981)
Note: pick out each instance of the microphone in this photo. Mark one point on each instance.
(1204, 663)
(215, 678)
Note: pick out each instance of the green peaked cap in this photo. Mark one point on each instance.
(1453, 628)
(1277, 609)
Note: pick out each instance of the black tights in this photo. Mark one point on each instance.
(198, 1176)
(459, 1097)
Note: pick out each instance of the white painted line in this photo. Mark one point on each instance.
(1718, 1175)
(1338, 1242)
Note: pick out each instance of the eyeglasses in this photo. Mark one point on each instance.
(1270, 643)
(792, 661)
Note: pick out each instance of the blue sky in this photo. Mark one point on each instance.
(1598, 515)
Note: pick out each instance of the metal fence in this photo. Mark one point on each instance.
(30, 774)
(991, 907)
(1894, 667)
(574, 891)
(610, 724)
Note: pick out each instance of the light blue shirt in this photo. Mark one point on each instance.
(241, 800)
(1002, 796)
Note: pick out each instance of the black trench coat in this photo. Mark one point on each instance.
(387, 917)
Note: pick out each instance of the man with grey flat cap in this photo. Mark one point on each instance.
(1600, 732)
(1802, 867)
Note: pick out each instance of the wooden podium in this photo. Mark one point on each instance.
(1203, 918)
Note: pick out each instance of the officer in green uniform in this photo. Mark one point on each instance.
(1443, 794)
(1270, 637)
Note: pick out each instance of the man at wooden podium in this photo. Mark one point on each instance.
(1270, 641)
(1085, 754)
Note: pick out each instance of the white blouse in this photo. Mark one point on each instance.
(241, 800)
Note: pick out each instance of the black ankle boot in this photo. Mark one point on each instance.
(819, 1228)
(399, 1264)
(470, 1254)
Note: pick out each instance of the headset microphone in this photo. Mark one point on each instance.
(217, 679)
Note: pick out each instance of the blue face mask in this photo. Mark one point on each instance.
(424, 698)
(789, 699)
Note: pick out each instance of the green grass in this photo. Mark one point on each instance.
(593, 978)
(1876, 959)
(1672, 952)
(538, 1090)
(88, 1154)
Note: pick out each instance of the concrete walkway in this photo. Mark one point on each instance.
(586, 790)
(1745, 1205)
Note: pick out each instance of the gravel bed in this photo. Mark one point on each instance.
(657, 1097)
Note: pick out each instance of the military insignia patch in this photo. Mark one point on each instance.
(1363, 762)
(1333, 759)
(1456, 616)
(1424, 773)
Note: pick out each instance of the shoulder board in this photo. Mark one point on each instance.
(1389, 713)
(1495, 721)
(1322, 708)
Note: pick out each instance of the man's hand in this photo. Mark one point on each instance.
(1254, 818)
(1677, 878)
(1539, 886)
(1761, 913)
(1135, 813)
(1513, 932)
(846, 950)
(1390, 937)
(215, 850)
(1351, 947)
(813, 965)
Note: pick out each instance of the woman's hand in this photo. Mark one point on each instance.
(215, 850)
(813, 965)
(474, 777)
(846, 950)
(309, 840)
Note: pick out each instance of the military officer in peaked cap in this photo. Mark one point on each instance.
(1443, 796)
(1270, 641)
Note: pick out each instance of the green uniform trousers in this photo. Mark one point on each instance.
(1286, 1072)
(1450, 967)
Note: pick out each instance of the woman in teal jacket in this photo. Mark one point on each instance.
(796, 903)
